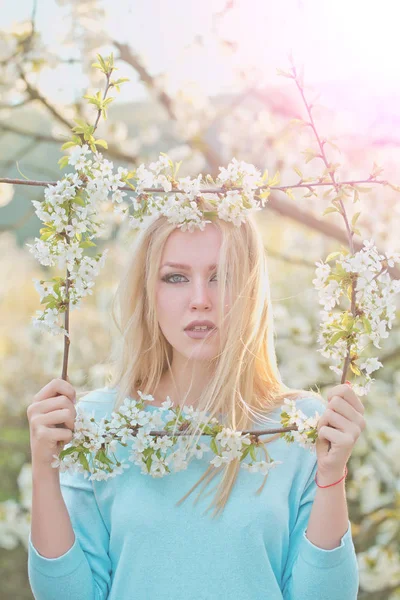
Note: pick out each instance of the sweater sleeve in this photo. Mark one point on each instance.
(312, 572)
(84, 571)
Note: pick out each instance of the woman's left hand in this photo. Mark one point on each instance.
(339, 428)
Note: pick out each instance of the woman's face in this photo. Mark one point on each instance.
(189, 292)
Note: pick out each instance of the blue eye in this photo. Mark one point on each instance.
(168, 278)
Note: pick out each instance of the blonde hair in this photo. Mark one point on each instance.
(244, 377)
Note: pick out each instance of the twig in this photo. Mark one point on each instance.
(350, 233)
(282, 207)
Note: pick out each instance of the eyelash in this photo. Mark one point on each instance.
(167, 278)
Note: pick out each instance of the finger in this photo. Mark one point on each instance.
(348, 394)
(58, 416)
(61, 434)
(336, 436)
(59, 402)
(343, 424)
(339, 405)
(54, 388)
(50, 405)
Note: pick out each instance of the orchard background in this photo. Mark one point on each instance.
(203, 88)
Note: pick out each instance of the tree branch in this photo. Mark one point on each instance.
(282, 207)
(112, 151)
(133, 60)
(278, 205)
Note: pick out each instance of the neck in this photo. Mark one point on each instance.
(186, 383)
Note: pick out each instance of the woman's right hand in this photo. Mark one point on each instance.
(52, 405)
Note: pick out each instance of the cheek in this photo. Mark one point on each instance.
(168, 303)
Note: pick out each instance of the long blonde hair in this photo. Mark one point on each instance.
(245, 381)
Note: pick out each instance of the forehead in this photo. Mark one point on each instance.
(196, 248)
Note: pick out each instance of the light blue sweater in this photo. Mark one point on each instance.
(133, 543)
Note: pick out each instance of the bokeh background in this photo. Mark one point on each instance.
(203, 88)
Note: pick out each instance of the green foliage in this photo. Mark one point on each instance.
(105, 65)
(84, 130)
(214, 447)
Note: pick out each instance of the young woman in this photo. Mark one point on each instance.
(139, 537)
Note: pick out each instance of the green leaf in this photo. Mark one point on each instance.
(332, 255)
(355, 217)
(46, 231)
(67, 451)
(363, 189)
(101, 143)
(245, 453)
(299, 173)
(331, 168)
(333, 145)
(177, 167)
(289, 193)
(81, 122)
(92, 99)
(310, 154)
(253, 452)
(48, 298)
(83, 461)
(265, 194)
(213, 446)
(330, 209)
(118, 82)
(101, 456)
(68, 145)
(338, 336)
(355, 369)
(63, 162)
(347, 321)
(87, 244)
(367, 325)
(210, 214)
(275, 180)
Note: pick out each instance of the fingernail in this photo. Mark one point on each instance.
(348, 383)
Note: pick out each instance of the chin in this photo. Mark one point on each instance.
(200, 353)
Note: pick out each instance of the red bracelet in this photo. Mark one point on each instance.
(326, 486)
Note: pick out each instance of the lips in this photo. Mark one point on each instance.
(193, 324)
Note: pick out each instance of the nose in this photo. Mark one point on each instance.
(200, 296)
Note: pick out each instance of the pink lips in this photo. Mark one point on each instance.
(198, 334)
(192, 324)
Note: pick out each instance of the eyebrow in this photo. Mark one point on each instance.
(182, 266)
